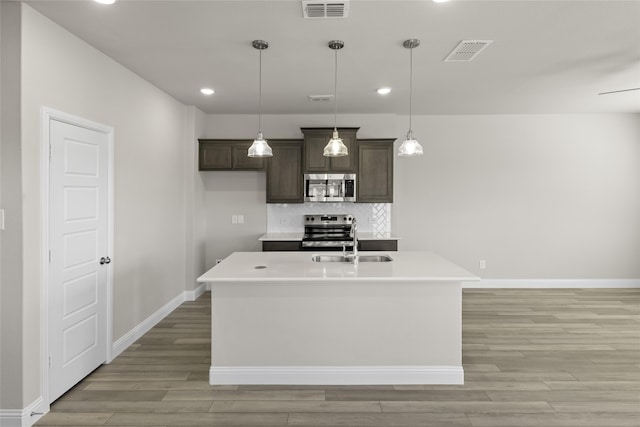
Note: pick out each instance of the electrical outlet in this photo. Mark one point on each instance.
(234, 219)
(483, 264)
(284, 220)
(240, 219)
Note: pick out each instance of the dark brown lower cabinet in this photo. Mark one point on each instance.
(363, 245)
(284, 172)
(378, 245)
(281, 246)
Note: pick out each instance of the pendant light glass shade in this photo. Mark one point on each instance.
(335, 147)
(410, 146)
(260, 148)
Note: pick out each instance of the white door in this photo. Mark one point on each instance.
(78, 259)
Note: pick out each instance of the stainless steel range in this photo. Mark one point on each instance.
(328, 232)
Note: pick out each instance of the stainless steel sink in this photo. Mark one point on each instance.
(374, 258)
(359, 258)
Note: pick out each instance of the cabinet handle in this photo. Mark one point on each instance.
(105, 260)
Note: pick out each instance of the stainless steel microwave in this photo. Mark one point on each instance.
(332, 187)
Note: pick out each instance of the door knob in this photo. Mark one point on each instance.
(105, 260)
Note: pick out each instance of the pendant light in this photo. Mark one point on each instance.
(335, 147)
(410, 146)
(260, 148)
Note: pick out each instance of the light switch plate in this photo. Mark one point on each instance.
(1, 219)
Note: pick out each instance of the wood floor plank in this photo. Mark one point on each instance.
(413, 395)
(246, 395)
(199, 419)
(482, 386)
(294, 406)
(375, 420)
(564, 396)
(598, 406)
(554, 420)
(127, 406)
(594, 385)
(115, 395)
(468, 407)
(142, 377)
(75, 419)
(157, 385)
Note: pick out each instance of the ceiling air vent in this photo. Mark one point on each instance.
(329, 9)
(467, 50)
(320, 97)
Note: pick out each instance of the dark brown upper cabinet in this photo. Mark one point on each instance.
(374, 183)
(315, 140)
(284, 172)
(227, 154)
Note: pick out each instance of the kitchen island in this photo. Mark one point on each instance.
(282, 318)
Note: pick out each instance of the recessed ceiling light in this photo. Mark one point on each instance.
(440, 1)
(384, 90)
(106, 1)
(207, 91)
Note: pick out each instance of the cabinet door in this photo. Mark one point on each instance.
(243, 162)
(284, 173)
(315, 139)
(214, 156)
(347, 163)
(225, 154)
(375, 171)
(281, 246)
(314, 143)
(378, 245)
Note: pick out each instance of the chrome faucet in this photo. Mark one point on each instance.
(354, 235)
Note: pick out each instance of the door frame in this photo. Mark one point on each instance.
(47, 115)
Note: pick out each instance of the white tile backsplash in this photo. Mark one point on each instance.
(288, 218)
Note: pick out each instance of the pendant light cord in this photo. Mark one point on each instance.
(260, 95)
(335, 92)
(410, 86)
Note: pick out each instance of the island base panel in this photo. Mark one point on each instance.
(337, 333)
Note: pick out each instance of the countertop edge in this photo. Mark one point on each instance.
(336, 280)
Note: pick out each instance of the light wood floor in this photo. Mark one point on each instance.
(531, 358)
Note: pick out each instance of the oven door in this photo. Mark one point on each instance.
(326, 237)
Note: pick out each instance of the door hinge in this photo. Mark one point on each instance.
(49, 257)
(49, 360)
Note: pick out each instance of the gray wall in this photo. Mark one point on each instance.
(60, 71)
(537, 197)
(194, 198)
(11, 297)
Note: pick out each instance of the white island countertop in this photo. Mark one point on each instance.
(409, 266)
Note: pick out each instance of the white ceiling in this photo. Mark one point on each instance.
(547, 56)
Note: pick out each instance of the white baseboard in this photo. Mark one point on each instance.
(145, 326)
(195, 294)
(552, 283)
(22, 417)
(335, 375)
